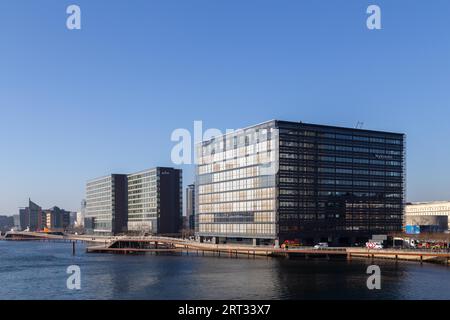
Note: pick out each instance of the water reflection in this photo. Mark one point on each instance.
(37, 271)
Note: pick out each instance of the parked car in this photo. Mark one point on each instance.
(321, 245)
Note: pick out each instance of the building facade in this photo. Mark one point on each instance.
(107, 204)
(57, 219)
(284, 180)
(190, 206)
(32, 217)
(149, 201)
(6, 223)
(81, 214)
(155, 201)
(428, 213)
(16, 221)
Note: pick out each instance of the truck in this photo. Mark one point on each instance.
(374, 244)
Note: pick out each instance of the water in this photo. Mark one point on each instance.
(37, 270)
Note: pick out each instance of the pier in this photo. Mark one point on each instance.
(157, 245)
(41, 236)
(166, 245)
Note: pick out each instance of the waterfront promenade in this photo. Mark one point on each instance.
(39, 236)
(164, 245)
(159, 245)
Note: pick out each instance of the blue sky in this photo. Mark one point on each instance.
(75, 105)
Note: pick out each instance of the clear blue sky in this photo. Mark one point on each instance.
(75, 105)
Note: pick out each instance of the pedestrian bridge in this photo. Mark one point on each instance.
(168, 245)
(156, 245)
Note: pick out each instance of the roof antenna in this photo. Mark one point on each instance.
(359, 125)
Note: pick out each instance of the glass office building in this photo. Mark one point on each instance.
(284, 180)
(149, 201)
(155, 201)
(106, 204)
(143, 201)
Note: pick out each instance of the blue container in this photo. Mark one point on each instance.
(412, 229)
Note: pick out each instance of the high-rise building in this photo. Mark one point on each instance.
(32, 217)
(149, 201)
(106, 204)
(284, 180)
(190, 205)
(81, 214)
(155, 201)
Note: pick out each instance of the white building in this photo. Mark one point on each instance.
(81, 214)
(434, 208)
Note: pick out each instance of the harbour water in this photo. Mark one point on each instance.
(37, 270)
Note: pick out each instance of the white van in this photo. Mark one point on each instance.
(321, 245)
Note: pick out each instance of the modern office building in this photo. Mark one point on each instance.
(32, 217)
(57, 219)
(282, 180)
(433, 213)
(155, 201)
(149, 201)
(190, 206)
(106, 204)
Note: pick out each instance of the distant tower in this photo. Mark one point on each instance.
(190, 205)
(81, 214)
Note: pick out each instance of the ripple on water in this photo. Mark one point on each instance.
(38, 271)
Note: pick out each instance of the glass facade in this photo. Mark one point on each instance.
(147, 201)
(235, 186)
(337, 184)
(106, 203)
(155, 201)
(143, 201)
(99, 203)
(287, 180)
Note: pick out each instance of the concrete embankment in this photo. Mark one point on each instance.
(157, 245)
(441, 257)
(168, 245)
